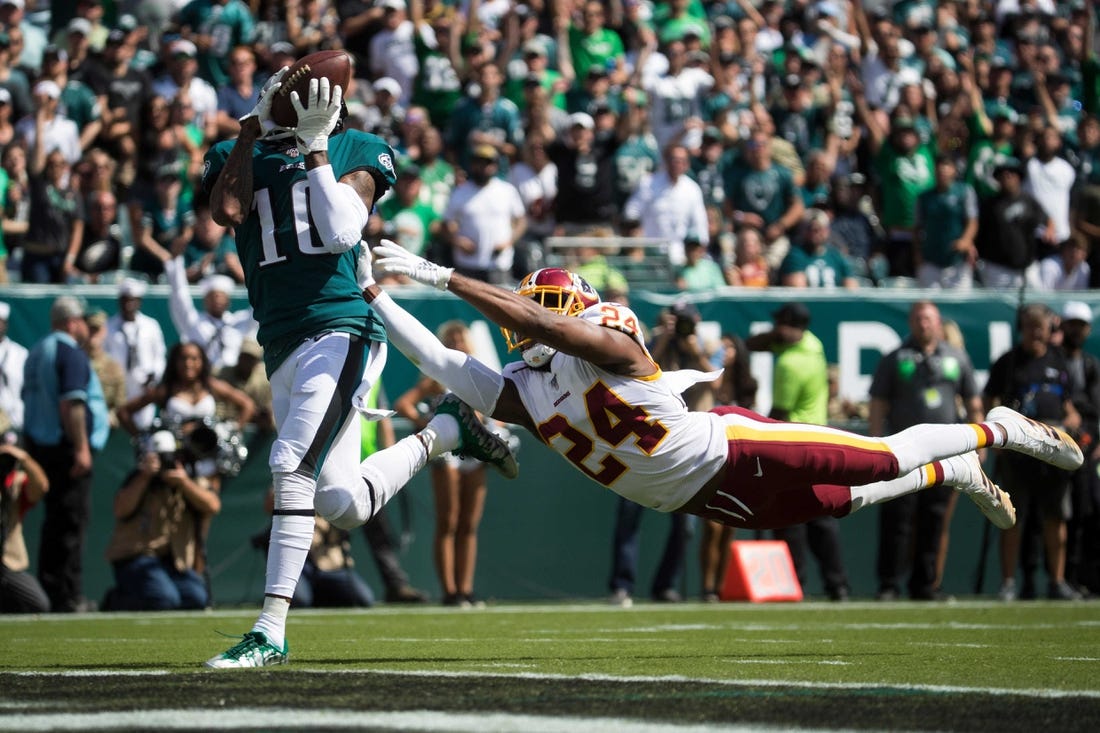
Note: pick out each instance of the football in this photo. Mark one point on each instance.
(336, 66)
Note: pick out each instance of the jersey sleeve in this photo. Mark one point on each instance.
(618, 317)
(213, 162)
(364, 151)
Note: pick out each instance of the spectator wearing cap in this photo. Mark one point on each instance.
(1006, 229)
(238, 94)
(762, 194)
(166, 225)
(535, 66)
(181, 80)
(216, 27)
(12, 358)
(66, 423)
(946, 222)
(77, 101)
(699, 273)
(125, 93)
(706, 166)
(217, 330)
(13, 13)
(1083, 527)
(593, 91)
(249, 376)
(49, 124)
(484, 220)
(75, 41)
(585, 163)
(669, 205)
(1068, 269)
(487, 119)
(814, 261)
(437, 87)
(405, 217)
(87, 18)
(391, 50)
(384, 117)
(637, 155)
(798, 118)
(136, 341)
(800, 393)
(992, 142)
(592, 44)
(677, 95)
(1050, 179)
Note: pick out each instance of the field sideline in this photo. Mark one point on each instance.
(967, 666)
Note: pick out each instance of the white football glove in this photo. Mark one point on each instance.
(393, 259)
(317, 121)
(363, 273)
(262, 110)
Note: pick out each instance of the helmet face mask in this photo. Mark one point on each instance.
(557, 290)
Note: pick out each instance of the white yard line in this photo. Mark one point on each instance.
(237, 719)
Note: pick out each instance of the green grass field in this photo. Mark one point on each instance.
(968, 666)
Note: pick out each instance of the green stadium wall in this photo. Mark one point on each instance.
(547, 535)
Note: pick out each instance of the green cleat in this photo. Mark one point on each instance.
(475, 440)
(253, 650)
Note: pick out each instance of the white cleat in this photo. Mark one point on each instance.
(1038, 440)
(971, 480)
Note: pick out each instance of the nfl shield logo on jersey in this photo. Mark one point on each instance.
(386, 162)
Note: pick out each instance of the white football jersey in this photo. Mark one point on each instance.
(633, 435)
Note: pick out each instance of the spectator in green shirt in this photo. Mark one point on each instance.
(403, 216)
(592, 44)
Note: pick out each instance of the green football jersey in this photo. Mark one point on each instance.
(296, 288)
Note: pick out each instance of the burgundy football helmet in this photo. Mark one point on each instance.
(555, 289)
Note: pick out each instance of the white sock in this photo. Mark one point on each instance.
(440, 435)
(881, 491)
(272, 620)
(922, 444)
(291, 536)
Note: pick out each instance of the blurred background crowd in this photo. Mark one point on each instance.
(741, 143)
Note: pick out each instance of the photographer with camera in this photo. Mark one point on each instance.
(674, 345)
(161, 513)
(22, 484)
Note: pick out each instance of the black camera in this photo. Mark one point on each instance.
(195, 441)
(687, 317)
(8, 463)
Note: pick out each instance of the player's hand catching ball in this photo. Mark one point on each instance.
(319, 119)
(262, 110)
(392, 259)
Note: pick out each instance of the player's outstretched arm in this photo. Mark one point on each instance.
(608, 348)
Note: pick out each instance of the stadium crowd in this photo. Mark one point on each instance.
(808, 144)
(822, 144)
